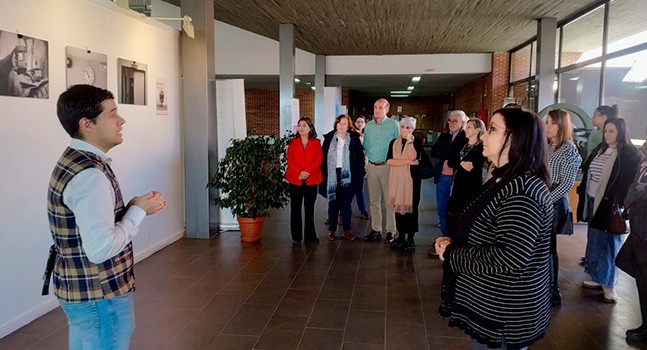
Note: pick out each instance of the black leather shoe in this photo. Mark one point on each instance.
(556, 299)
(408, 247)
(397, 244)
(637, 334)
(373, 236)
(389, 238)
(296, 242)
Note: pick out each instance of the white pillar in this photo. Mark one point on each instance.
(546, 37)
(286, 76)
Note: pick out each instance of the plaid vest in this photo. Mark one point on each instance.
(76, 279)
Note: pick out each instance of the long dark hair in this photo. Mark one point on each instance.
(612, 112)
(312, 134)
(527, 140)
(623, 139)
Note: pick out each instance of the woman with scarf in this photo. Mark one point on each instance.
(564, 161)
(343, 172)
(404, 186)
(496, 266)
(608, 173)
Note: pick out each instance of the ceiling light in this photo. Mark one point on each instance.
(399, 95)
(312, 87)
(401, 92)
(415, 79)
(574, 78)
(308, 83)
(410, 87)
(297, 80)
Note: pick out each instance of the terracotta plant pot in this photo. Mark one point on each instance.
(250, 228)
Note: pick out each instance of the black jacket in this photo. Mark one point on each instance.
(621, 177)
(356, 159)
(443, 148)
(466, 183)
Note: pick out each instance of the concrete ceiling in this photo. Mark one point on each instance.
(390, 27)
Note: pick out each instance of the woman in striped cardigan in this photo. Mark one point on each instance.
(496, 281)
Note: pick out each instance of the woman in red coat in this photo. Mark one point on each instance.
(304, 175)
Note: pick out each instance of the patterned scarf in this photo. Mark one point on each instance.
(332, 166)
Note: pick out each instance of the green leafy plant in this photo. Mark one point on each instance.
(250, 176)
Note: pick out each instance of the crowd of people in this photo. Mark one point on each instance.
(502, 199)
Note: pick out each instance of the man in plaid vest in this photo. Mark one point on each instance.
(92, 256)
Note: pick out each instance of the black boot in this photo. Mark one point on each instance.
(410, 246)
(556, 296)
(398, 242)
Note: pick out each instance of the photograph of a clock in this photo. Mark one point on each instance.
(84, 66)
(88, 75)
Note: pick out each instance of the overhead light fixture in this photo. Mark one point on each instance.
(401, 92)
(312, 87)
(574, 78)
(415, 79)
(399, 95)
(187, 24)
(297, 80)
(410, 87)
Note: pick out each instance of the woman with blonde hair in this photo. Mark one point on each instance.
(564, 161)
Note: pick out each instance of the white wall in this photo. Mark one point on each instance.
(31, 140)
(241, 52)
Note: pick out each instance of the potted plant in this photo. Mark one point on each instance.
(250, 181)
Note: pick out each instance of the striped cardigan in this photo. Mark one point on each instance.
(502, 282)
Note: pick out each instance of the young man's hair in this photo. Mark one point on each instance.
(78, 102)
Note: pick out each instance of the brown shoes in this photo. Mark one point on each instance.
(349, 235)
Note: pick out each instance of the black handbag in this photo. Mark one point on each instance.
(424, 170)
(563, 217)
(615, 221)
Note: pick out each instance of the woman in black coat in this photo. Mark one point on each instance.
(342, 176)
(632, 257)
(467, 162)
(608, 173)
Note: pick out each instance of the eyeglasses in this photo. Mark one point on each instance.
(453, 121)
(495, 129)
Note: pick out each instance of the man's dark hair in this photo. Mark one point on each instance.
(528, 146)
(78, 102)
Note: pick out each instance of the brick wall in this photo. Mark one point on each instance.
(488, 92)
(262, 109)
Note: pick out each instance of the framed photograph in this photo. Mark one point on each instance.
(86, 67)
(132, 82)
(24, 66)
(161, 103)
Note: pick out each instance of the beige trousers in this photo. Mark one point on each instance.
(378, 191)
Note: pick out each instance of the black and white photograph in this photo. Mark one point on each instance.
(24, 67)
(84, 66)
(161, 104)
(132, 82)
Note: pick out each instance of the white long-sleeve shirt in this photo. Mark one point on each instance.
(91, 198)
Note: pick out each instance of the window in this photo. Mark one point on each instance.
(626, 86)
(520, 64)
(583, 38)
(580, 87)
(627, 25)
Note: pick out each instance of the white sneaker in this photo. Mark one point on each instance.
(591, 285)
(610, 295)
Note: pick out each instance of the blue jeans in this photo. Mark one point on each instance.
(340, 205)
(101, 325)
(601, 251)
(443, 189)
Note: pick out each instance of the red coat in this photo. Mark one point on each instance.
(308, 159)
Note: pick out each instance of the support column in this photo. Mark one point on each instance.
(286, 76)
(546, 36)
(320, 82)
(199, 116)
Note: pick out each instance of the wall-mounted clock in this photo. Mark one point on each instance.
(88, 75)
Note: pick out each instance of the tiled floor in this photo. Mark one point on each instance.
(223, 294)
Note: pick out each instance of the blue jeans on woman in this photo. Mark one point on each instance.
(101, 325)
(601, 251)
(344, 196)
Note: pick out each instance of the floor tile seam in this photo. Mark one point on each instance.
(283, 298)
(420, 300)
(319, 294)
